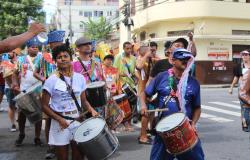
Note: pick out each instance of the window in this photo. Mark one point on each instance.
(109, 13)
(81, 26)
(67, 2)
(80, 13)
(87, 14)
(152, 35)
(100, 13)
(143, 36)
(179, 33)
(240, 32)
(96, 13)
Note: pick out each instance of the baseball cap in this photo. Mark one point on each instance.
(83, 41)
(181, 53)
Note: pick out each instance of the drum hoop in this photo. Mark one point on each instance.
(188, 149)
(98, 133)
(175, 126)
(102, 83)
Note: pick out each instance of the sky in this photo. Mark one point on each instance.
(49, 6)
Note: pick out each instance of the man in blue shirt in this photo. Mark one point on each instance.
(165, 84)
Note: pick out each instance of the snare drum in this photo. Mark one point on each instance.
(95, 140)
(30, 103)
(177, 133)
(96, 94)
(131, 93)
(123, 103)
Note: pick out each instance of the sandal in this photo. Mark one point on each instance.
(148, 142)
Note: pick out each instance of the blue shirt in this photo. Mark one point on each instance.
(160, 85)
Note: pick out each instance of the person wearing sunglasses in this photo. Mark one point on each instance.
(189, 102)
(240, 69)
(244, 88)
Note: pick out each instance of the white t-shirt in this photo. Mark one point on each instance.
(61, 100)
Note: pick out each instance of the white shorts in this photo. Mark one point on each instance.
(61, 137)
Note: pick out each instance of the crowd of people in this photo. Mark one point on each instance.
(137, 84)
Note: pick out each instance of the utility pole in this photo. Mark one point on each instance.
(127, 20)
(129, 23)
(70, 22)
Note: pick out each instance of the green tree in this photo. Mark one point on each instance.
(97, 30)
(14, 15)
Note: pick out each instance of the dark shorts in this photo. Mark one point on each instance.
(10, 96)
(2, 89)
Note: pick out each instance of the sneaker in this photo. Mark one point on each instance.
(38, 142)
(50, 154)
(13, 128)
(19, 141)
(1, 109)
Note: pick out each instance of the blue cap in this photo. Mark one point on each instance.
(56, 36)
(33, 42)
(181, 53)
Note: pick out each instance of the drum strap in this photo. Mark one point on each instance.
(70, 90)
(85, 69)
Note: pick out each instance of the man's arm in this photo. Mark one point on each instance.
(16, 41)
(196, 115)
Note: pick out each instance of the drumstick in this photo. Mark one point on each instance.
(82, 114)
(157, 110)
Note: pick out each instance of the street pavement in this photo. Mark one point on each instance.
(219, 130)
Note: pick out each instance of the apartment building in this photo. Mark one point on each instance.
(82, 10)
(221, 30)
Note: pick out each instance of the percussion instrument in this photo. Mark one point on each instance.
(114, 115)
(96, 94)
(131, 93)
(177, 133)
(123, 103)
(95, 140)
(30, 102)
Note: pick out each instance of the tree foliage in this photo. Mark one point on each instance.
(14, 15)
(97, 30)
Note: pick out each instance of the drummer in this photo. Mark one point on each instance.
(165, 84)
(43, 69)
(87, 66)
(125, 63)
(25, 68)
(62, 106)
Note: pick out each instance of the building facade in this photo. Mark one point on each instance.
(221, 30)
(80, 11)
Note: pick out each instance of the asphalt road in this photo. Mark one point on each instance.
(219, 130)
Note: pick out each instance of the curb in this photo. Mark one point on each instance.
(216, 86)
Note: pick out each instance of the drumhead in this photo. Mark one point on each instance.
(119, 96)
(170, 122)
(96, 84)
(89, 129)
(37, 86)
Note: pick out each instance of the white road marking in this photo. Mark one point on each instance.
(215, 118)
(226, 105)
(238, 102)
(220, 110)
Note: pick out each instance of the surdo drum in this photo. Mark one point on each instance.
(30, 102)
(177, 133)
(95, 140)
(96, 94)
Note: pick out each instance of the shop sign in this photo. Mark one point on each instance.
(219, 66)
(218, 53)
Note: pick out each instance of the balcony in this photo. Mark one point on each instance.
(162, 10)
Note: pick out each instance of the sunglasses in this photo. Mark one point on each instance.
(245, 54)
